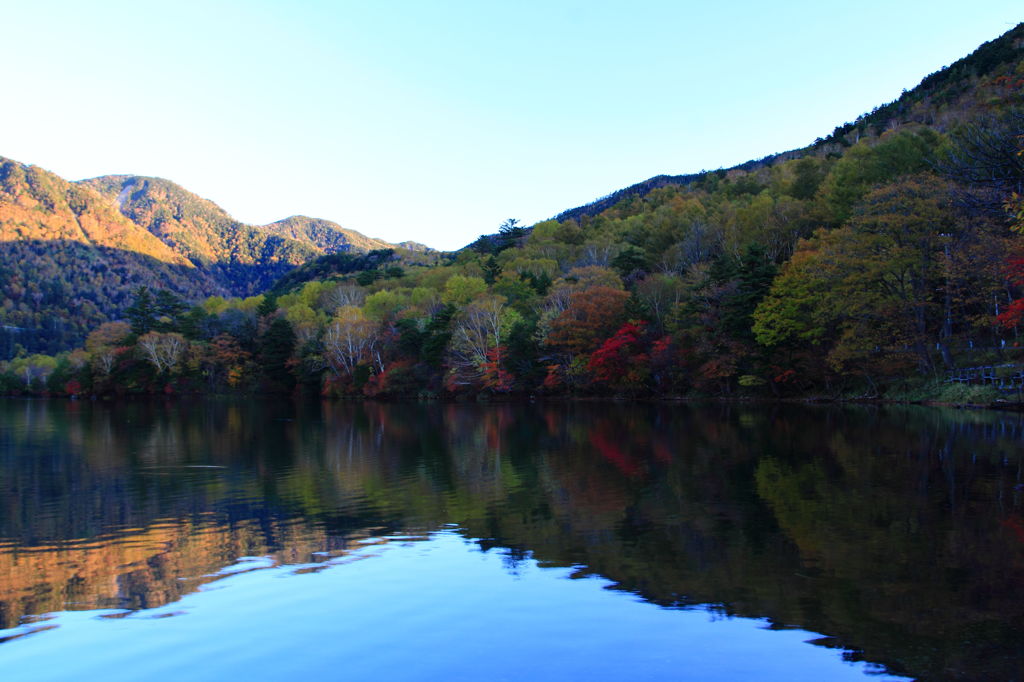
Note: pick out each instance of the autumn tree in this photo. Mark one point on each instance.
(866, 165)
(589, 317)
(621, 362)
(461, 289)
(475, 351)
(349, 340)
(103, 343)
(345, 294)
(386, 304)
(985, 156)
(1008, 158)
(163, 350)
(867, 291)
(226, 362)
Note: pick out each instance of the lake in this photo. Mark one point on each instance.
(272, 540)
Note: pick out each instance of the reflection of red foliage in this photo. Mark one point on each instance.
(494, 426)
(553, 421)
(608, 449)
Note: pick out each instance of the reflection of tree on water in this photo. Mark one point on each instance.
(898, 532)
(919, 518)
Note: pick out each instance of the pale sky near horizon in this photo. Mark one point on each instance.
(436, 121)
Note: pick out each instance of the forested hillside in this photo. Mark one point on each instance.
(987, 77)
(869, 264)
(69, 259)
(326, 236)
(72, 252)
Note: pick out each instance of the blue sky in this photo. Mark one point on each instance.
(435, 121)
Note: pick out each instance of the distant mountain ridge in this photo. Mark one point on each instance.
(936, 101)
(72, 252)
(325, 235)
(244, 259)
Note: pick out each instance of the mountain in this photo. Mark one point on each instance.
(208, 236)
(988, 77)
(324, 235)
(68, 259)
(71, 253)
(244, 259)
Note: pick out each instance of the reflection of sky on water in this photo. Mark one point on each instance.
(895, 532)
(437, 609)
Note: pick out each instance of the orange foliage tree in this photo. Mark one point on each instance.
(590, 316)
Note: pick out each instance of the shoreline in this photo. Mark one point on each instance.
(1005, 406)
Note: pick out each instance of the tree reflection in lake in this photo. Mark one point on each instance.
(898, 532)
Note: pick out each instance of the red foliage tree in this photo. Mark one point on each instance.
(493, 376)
(620, 362)
(1014, 313)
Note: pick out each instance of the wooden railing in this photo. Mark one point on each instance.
(1009, 377)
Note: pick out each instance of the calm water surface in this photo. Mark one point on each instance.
(277, 540)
